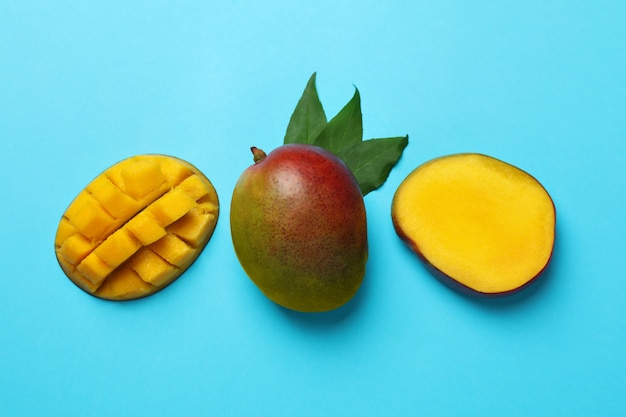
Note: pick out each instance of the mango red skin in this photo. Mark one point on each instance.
(299, 228)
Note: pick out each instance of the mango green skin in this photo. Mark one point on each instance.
(299, 228)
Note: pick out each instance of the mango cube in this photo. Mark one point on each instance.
(174, 250)
(145, 227)
(118, 247)
(171, 206)
(124, 284)
(112, 199)
(142, 177)
(192, 186)
(94, 269)
(151, 267)
(192, 227)
(75, 248)
(91, 220)
(64, 231)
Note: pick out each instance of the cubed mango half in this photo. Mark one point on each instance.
(136, 227)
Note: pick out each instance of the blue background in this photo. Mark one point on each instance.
(539, 84)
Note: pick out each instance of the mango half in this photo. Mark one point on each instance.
(299, 228)
(486, 227)
(136, 227)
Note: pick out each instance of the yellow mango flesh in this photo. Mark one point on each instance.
(136, 227)
(485, 224)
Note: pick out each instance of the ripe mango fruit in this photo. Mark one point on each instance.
(136, 227)
(484, 226)
(299, 227)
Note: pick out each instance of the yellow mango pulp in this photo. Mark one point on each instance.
(136, 227)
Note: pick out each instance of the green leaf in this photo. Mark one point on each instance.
(345, 129)
(308, 119)
(371, 161)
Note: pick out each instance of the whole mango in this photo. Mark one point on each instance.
(299, 227)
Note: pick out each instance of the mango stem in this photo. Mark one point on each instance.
(258, 154)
